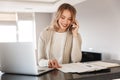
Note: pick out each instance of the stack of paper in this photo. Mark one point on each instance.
(104, 64)
(115, 79)
(86, 67)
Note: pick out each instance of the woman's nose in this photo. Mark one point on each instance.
(65, 21)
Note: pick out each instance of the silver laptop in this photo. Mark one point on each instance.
(20, 58)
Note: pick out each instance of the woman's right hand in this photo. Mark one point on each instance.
(53, 64)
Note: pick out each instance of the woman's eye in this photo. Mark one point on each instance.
(70, 19)
(62, 17)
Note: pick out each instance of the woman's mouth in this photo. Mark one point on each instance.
(64, 25)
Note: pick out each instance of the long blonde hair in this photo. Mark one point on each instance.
(64, 6)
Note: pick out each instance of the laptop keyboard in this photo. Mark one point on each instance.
(44, 69)
(41, 70)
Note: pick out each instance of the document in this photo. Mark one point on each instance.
(86, 67)
(104, 64)
(116, 79)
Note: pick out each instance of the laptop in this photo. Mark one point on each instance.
(20, 58)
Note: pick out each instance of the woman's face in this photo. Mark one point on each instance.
(65, 20)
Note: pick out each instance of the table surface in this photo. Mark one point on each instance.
(108, 74)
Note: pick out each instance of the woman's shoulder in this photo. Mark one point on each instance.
(46, 32)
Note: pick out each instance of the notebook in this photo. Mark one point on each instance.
(20, 58)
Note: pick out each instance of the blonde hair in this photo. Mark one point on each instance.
(65, 6)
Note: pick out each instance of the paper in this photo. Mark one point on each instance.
(74, 67)
(86, 67)
(115, 79)
(104, 64)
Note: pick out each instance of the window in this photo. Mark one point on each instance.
(16, 27)
(25, 31)
(7, 27)
(7, 33)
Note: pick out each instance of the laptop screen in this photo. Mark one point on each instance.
(19, 57)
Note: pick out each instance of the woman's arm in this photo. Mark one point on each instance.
(76, 54)
(42, 61)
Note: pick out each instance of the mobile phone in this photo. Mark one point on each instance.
(71, 27)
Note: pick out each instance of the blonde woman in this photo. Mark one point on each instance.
(60, 43)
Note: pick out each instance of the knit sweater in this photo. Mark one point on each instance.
(72, 48)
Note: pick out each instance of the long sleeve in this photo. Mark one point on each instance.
(76, 54)
(42, 61)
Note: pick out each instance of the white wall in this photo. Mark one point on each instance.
(100, 26)
(42, 20)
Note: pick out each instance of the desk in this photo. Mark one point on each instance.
(112, 73)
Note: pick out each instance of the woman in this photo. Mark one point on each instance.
(60, 43)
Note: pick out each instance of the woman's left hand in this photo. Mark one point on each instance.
(75, 28)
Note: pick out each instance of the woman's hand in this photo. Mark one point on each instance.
(53, 64)
(75, 28)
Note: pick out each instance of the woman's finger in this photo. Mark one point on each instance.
(57, 64)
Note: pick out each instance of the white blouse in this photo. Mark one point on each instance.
(58, 46)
